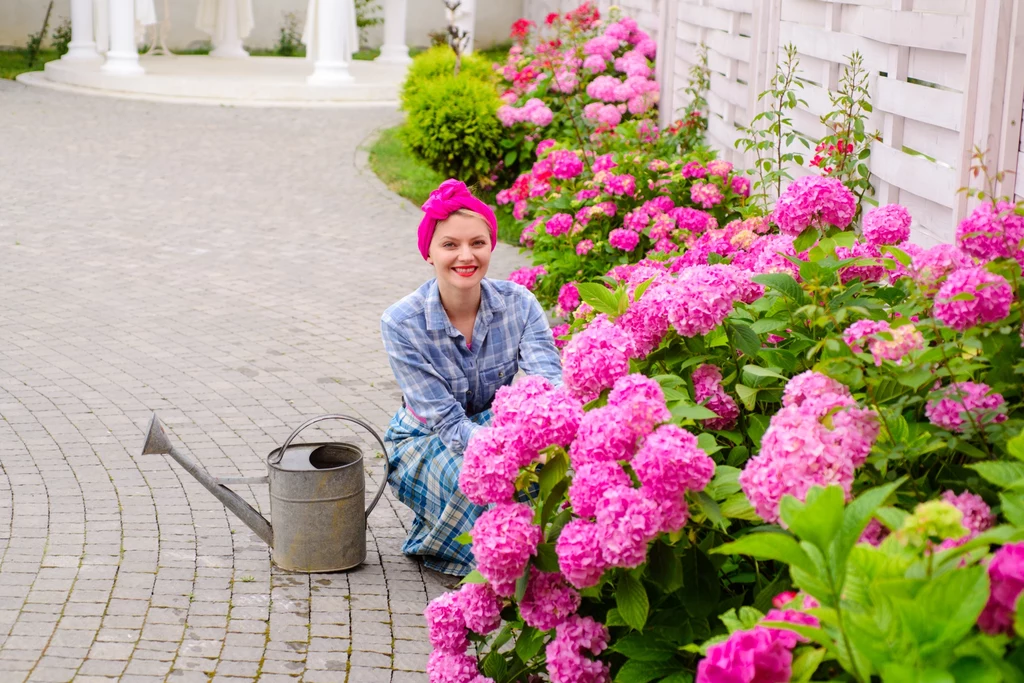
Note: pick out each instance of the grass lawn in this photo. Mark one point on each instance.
(14, 62)
(407, 175)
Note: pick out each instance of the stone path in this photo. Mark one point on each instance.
(227, 269)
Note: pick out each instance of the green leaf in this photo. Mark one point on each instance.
(758, 371)
(636, 671)
(663, 567)
(708, 444)
(510, 157)
(644, 647)
(494, 665)
(546, 559)
(915, 379)
(1015, 446)
(473, 577)
(1002, 474)
(1013, 510)
(678, 677)
(737, 506)
(631, 601)
(710, 509)
(553, 500)
(818, 518)
(521, 584)
(529, 643)
(464, 538)
(763, 601)
(784, 283)
(641, 288)
(769, 546)
(856, 518)
(602, 299)
(687, 411)
(613, 618)
(805, 240)
(1018, 617)
(744, 339)
(553, 471)
(748, 396)
(806, 664)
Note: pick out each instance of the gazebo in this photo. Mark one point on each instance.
(327, 76)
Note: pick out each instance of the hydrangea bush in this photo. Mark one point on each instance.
(783, 451)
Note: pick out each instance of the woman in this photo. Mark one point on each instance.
(452, 343)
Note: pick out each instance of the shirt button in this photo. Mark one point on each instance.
(469, 393)
(501, 373)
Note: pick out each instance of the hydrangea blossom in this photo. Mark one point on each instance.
(566, 662)
(933, 265)
(626, 521)
(605, 435)
(1006, 578)
(445, 666)
(580, 565)
(992, 232)
(583, 247)
(754, 656)
(568, 298)
(590, 482)
(642, 401)
(706, 194)
(558, 224)
(708, 390)
(814, 201)
(565, 164)
(527, 277)
(989, 299)
(964, 404)
(446, 625)
(978, 515)
(889, 224)
(504, 539)
(488, 471)
(548, 600)
(594, 359)
(884, 342)
(624, 239)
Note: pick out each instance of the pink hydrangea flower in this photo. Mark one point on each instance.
(754, 656)
(543, 146)
(706, 194)
(708, 391)
(814, 201)
(565, 164)
(577, 559)
(602, 46)
(550, 419)
(594, 359)
(642, 401)
(566, 662)
(626, 521)
(720, 168)
(604, 162)
(870, 268)
(933, 265)
(590, 482)
(704, 297)
(446, 624)
(978, 515)
(962, 405)
(510, 401)
(583, 247)
(549, 600)
(568, 299)
(624, 239)
(991, 232)
(991, 298)
(646, 320)
(445, 666)
(480, 606)
(595, 64)
(693, 169)
(694, 220)
(488, 472)
(874, 533)
(623, 184)
(814, 391)
(504, 539)
(560, 331)
(558, 224)
(889, 224)
(527, 277)
(884, 342)
(741, 186)
(605, 435)
(1006, 579)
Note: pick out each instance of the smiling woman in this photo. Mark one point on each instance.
(452, 344)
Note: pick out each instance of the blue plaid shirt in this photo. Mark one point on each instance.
(444, 382)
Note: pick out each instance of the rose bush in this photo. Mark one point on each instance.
(777, 404)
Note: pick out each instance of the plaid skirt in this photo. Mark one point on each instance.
(425, 476)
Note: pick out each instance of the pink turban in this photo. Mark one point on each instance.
(451, 196)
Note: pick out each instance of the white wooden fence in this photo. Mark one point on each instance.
(946, 76)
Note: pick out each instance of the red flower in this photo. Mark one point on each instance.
(551, 18)
(521, 29)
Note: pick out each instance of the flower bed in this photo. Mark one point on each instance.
(764, 411)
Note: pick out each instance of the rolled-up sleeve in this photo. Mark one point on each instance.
(427, 393)
(538, 354)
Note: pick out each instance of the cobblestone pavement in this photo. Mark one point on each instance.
(226, 268)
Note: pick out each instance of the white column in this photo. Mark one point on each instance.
(82, 46)
(465, 19)
(332, 33)
(227, 42)
(394, 50)
(123, 55)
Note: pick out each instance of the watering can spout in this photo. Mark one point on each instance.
(157, 442)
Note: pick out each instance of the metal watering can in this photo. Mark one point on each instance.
(316, 497)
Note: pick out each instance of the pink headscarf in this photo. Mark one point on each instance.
(451, 196)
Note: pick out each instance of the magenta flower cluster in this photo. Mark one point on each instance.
(527, 277)
(883, 341)
(1006, 581)
(991, 232)
(476, 608)
(963, 406)
(972, 296)
(814, 201)
(759, 655)
(708, 391)
(887, 225)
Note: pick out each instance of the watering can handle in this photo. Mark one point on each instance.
(344, 418)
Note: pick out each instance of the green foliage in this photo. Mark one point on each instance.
(35, 40)
(289, 39)
(61, 36)
(367, 16)
(452, 126)
(439, 63)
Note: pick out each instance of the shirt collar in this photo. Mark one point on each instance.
(491, 302)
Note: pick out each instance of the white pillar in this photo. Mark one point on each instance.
(82, 46)
(228, 43)
(123, 55)
(394, 50)
(332, 33)
(465, 19)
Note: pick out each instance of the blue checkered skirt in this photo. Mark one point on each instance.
(425, 476)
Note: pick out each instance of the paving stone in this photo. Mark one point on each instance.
(227, 268)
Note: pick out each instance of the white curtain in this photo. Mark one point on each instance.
(211, 15)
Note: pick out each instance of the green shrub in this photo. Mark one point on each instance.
(439, 62)
(452, 124)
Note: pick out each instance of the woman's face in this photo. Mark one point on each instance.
(460, 251)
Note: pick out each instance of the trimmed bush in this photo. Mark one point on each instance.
(439, 62)
(452, 125)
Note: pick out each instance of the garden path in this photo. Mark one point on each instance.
(226, 268)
